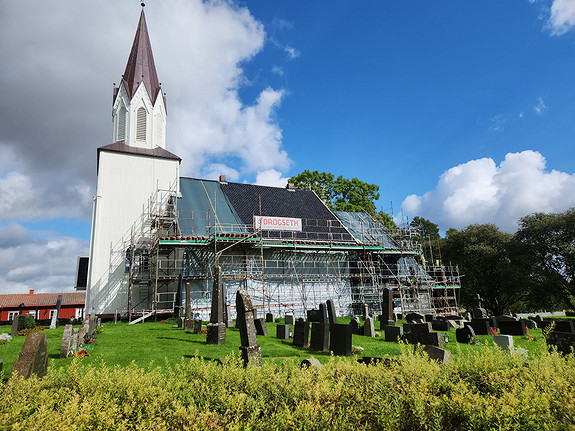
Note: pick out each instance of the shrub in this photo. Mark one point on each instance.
(29, 322)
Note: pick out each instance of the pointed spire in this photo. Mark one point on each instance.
(141, 65)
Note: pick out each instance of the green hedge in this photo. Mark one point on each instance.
(487, 390)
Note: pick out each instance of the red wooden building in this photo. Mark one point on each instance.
(42, 305)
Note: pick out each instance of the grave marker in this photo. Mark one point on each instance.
(33, 358)
(250, 351)
(320, 330)
(331, 312)
(188, 321)
(261, 327)
(56, 315)
(282, 332)
(387, 317)
(504, 342)
(340, 339)
(301, 333)
(66, 341)
(368, 327)
(393, 333)
(216, 333)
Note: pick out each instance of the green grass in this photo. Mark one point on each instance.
(161, 343)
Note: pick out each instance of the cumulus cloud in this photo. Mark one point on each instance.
(271, 177)
(480, 191)
(44, 261)
(55, 109)
(562, 17)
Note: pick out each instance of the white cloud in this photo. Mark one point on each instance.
(479, 191)
(271, 177)
(44, 261)
(562, 17)
(541, 108)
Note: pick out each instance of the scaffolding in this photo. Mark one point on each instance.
(350, 263)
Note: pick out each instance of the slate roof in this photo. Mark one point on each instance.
(319, 223)
(42, 299)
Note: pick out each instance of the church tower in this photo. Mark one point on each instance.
(137, 176)
(139, 107)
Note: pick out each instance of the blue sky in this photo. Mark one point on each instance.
(462, 112)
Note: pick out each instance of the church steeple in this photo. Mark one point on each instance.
(139, 109)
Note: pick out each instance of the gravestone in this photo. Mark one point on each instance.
(216, 332)
(368, 327)
(504, 318)
(440, 325)
(364, 311)
(188, 321)
(320, 330)
(33, 358)
(180, 321)
(410, 317)
(196, 326)
(282, 332)
(355, 326)
(538, 319)
(340, 339)
(421, 333)
(512, 327)
(561, 325)
(261, 327)
(437, 354)
(17, 325)
(255, 312)
(465, 335)
(314, 315)
(456, 323)
(310, 362)
(84, 333)
(66, 341)
(229, 320)
(270, 318)
(250, 352)
(481, 326)
(289, 319)
(371, 360)
(428, 317)
(393, 333)
(56, 315)
(75, 336)
(331, 312)
(504, 342)
(301, 333)
(386, 317)
(563, 341)
(531, 324)
(480, 313)
(99, 322)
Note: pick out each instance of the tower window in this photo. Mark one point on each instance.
(141, 124)
(121, 124)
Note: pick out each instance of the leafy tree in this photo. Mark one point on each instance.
(484, 255)
(549, 251)
(339, 193)
(430, 236)
(386, 220)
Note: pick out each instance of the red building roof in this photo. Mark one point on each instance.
(42, 299)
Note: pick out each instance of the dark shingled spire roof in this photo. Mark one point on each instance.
(141, 65)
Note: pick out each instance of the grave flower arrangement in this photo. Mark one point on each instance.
(355, 350)
(4, 338)
(24, 332)
(80, 354)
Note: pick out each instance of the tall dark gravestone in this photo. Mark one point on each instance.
(33, 358)
(320, 330)
(261, 327)
(386, 317)
(56, 315)
(188, 321)
(216, 333)
(17, 324)
(301, 333)
(356, 326)
(331, 312)
(340, 340)
(282, 332)
(250, 352)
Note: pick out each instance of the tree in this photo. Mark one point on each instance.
(430, 236)
(484, 256)
(549, 249)
(340, 194)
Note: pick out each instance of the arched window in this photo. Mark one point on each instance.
(141, 124)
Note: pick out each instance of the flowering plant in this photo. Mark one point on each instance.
(26, 331)
(81, 354)
(6, 337)
(203, 331)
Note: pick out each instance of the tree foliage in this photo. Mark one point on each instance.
(549, 249)
(484, 255)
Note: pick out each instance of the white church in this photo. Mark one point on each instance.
(154, 231)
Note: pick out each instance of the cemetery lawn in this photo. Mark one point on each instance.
(159, 343)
